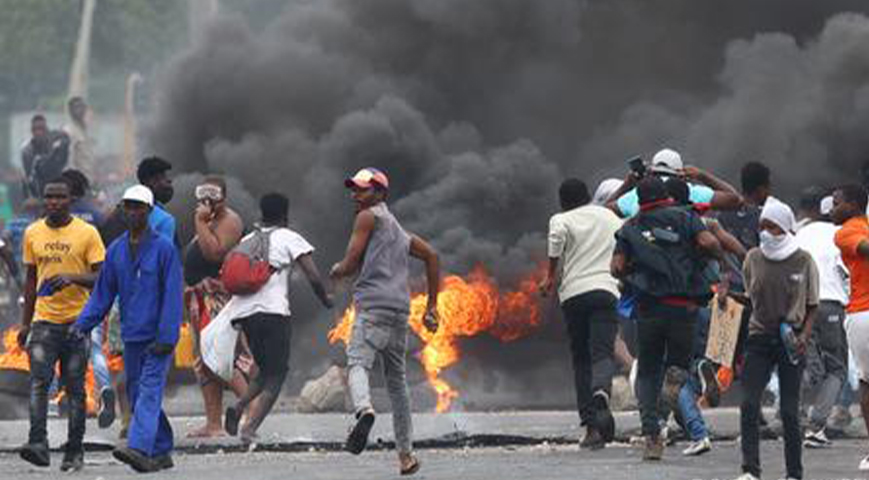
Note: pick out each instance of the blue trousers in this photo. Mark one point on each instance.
(150, 432)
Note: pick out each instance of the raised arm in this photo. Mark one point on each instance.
(216, 243)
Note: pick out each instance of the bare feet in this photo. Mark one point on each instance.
(207, 432)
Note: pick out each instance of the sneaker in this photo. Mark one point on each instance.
(164, 462)
(603, 416)
(747, 476)
(135, 459)
(864, 464)
(709, 382)
(36, 453)
(358, 438)
(817, 439)
(231, 419)
(673, 381)
(654, 450)
(593, 440)
(73, 461)
(698, 448)
(106, 415)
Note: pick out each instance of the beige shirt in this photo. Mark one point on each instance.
(779, 291)
(584, 239)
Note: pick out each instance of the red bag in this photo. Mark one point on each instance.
(246, 267)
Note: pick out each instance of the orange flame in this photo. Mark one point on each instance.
(467, 307)
(16, 358)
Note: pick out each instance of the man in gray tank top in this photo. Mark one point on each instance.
(379, 250)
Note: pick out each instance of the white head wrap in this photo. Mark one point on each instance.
(778, 247)
(605, 190)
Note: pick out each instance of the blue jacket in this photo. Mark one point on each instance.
(162, 222)
(149, 289)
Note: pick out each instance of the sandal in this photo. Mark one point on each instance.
(412, 467)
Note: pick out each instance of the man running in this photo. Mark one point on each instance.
(62, 255)
(264, 315)
(379, 251)
(143, 272)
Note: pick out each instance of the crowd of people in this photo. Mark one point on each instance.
(646, 260)
(639, 268)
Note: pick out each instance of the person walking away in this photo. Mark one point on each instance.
(849, 211)
(62, 255)
(827, 354)
(781, 282)
(581, 244)
(218, 230)
(379, 250)
(264, 315)
(143, 273)
(664, 255)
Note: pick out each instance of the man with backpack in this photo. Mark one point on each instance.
(662, 254)
(263, 263)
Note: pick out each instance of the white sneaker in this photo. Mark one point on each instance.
(698, 448)
(817, 439)
(747, 476)
(864, 464)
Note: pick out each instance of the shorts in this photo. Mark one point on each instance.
(857, 330)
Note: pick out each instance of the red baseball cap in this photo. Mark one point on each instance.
(367, 178)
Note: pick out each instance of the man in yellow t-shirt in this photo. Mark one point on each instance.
(62, 256)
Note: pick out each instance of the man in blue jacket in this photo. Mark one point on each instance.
(143, 271)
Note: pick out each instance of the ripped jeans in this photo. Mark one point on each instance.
(381, 332)
(50, 343)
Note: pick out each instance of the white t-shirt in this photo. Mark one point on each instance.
(584, 239)
(817, 238)
(285, 246)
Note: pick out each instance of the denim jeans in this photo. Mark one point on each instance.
(695, 425)
(381, 333)
(763, 353)
(50, 343)
(592, 325)
(665, 338)
(98, 358)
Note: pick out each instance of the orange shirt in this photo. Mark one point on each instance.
(848, 238)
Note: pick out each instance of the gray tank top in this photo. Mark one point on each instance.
(383, 278)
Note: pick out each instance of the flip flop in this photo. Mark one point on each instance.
(412, 468)
(358, 438)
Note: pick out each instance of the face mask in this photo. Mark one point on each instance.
(777, 247)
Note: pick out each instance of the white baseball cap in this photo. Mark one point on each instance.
(668, 162)
(826, 205)
(139, 193)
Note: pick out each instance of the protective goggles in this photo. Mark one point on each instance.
(208, 192)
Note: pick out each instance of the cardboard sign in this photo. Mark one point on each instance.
(724, 332)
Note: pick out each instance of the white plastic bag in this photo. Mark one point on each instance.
(217, 345)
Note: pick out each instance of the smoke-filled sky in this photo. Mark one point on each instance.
(477, 110)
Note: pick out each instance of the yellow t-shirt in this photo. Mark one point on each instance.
(72, 249)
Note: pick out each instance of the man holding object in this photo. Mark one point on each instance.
(379, 250)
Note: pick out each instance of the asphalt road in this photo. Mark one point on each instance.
(504, 463)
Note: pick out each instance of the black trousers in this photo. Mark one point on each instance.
(763, 353)
(51, 343)
(592, 325)
(665, 338)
